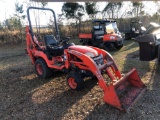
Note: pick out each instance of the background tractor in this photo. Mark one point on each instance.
(56, 54)
(136, 28)
(104, 34)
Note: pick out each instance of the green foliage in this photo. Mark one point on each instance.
(91, 8)
(20, 16)
(19, 12)
(1, 27)
(72, 10)
(12, 23)
(19, 8)
(137, 8)
(137, 4)
(44, 4)
(112, 8)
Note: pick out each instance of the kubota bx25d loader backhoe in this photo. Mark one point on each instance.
(56, 54)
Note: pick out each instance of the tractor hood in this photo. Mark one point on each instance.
(85, 50)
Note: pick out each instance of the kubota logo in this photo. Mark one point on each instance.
(76, 53)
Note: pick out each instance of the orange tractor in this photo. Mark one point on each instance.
(121, 91)
(104, 34)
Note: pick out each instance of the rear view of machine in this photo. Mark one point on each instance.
(135, 29)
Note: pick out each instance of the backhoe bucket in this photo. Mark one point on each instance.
(124, 92)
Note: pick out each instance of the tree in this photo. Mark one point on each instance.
(37, 15)
(20, 16)
(155, 17)
(137, 8)
(73, 11)
(112, 8)
(19, 12)
(44, 4)
(1, 27)
(157, 14)
(91, 9)
(12, 23)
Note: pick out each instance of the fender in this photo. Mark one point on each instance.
(50, 63)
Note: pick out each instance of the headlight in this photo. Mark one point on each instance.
(89, 54)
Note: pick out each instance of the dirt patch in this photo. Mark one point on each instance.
(24, 96)
(9, 50)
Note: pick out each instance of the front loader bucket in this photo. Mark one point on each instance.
(123, 93)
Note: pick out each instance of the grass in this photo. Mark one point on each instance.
(24, 96)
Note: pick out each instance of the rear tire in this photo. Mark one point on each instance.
(75, 81)
(41, 68)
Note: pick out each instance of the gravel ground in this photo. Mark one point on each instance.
(24, 96)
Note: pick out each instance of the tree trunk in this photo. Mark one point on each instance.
(137, 11)
(112, 11)
(79, 25)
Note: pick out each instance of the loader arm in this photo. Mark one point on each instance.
(114, 91)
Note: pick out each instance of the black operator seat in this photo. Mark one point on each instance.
(98, 32)
(52, 46)
(65, 43)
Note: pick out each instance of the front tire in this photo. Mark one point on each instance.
(75, 81)
(127, 36)
(41, 68)
(118, 46)
(109, 46)
(84, 42)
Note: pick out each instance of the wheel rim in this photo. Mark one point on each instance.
(39, 69)
(72, 83)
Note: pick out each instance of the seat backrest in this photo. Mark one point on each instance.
(99, 32)
(50, 40)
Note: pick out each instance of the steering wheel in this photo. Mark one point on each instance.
(65, 40)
